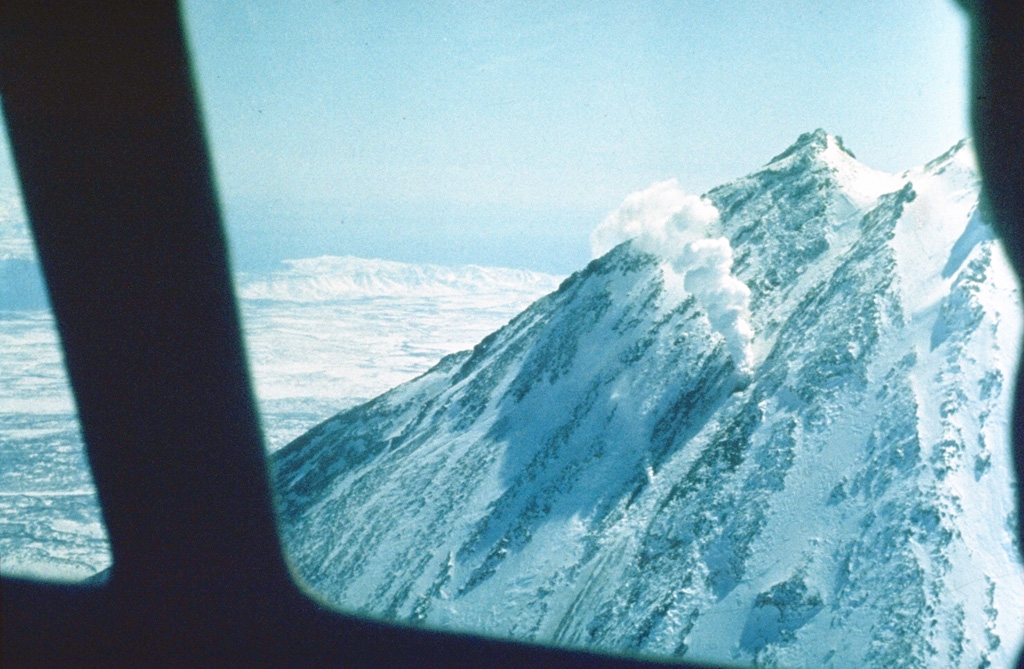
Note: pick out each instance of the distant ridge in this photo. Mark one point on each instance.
(333, 277)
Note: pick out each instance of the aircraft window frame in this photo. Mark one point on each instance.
(111, 156)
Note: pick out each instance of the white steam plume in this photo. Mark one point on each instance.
(662, 219)
(665, 221)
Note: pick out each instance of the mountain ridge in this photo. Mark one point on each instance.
(325, 278)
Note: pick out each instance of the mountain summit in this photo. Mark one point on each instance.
(811, 144)
(610, 470)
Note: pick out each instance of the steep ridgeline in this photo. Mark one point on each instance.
(602, 472)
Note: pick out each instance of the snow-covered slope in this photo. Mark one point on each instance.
(604, 471)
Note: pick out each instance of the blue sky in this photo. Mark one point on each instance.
(502, 132)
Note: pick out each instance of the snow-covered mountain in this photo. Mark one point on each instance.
(774, 433)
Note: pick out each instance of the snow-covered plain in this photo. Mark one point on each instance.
(609, 471)
(322, 334)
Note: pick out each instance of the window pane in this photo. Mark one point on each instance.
(764, 425)
(52, 527)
